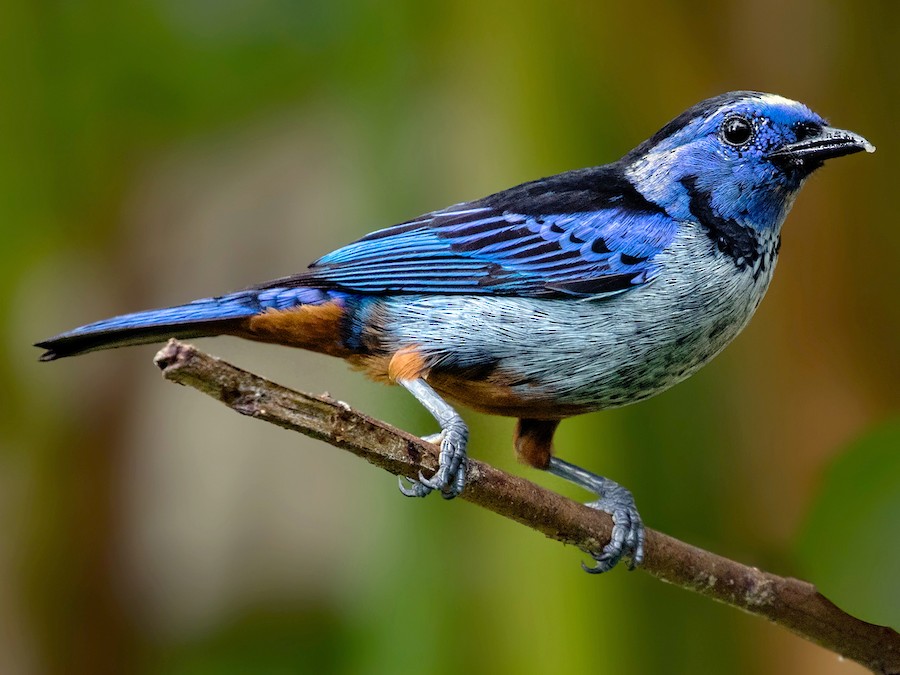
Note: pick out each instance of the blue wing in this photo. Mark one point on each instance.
(542, 239)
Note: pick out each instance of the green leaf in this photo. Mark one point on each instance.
(850, 546)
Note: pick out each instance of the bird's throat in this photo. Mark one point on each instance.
(743, 244)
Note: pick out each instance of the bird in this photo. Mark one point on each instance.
(578, 292)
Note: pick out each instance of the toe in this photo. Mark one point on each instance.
(413, 488)
(627, 538)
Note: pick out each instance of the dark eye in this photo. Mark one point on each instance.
(737, 130)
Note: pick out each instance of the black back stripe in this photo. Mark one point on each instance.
(579, 191)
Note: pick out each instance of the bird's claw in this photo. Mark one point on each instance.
(628, 532)
(450, 478)
(627, 540)
(413, 488)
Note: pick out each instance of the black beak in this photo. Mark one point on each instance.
(826, 144)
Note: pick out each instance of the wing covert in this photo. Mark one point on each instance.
(602, 240)
(485, 252)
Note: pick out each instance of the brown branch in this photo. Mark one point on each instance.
(791, 603)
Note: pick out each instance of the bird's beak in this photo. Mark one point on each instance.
(828, 143)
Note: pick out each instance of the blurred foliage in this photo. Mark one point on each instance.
(848, 531)
(157, 150)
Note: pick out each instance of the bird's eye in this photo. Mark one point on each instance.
(736, 130)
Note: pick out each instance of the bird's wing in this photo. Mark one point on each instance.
(490, 247)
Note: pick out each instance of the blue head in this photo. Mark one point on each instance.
(745, 154)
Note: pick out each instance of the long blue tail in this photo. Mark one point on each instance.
(200, 318)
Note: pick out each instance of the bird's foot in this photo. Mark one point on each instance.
(628, 531)
(627, 539)
(450, 478)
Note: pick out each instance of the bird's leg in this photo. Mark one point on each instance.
(628, 530)
(534, 446)
(450, 478)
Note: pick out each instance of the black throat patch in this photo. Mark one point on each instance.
(738, 242)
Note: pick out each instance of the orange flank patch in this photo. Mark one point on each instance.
(375, 367)
(406, 364)
(313, 327)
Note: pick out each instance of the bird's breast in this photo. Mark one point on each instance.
(549, 358)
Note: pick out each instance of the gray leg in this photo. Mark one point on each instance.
(628, 530)
(450, 478)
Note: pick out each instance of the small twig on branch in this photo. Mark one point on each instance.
(791, 603)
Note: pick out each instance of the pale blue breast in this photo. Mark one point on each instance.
(591, 353)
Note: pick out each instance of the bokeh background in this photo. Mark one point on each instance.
(156, 151)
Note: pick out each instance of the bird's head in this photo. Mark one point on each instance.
(745, 154)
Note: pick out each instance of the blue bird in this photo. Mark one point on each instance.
(574, 293)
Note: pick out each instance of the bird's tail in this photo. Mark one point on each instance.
(226, 314)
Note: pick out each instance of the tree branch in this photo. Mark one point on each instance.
(791, 603)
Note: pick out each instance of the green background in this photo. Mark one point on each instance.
(153, 152)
